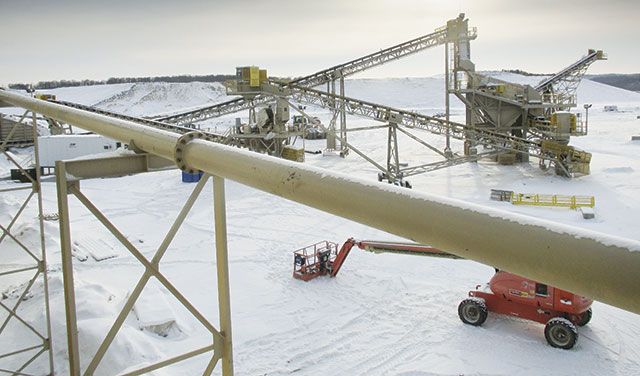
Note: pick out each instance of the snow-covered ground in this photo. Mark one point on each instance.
(384, 314)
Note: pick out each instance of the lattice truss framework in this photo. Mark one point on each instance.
(25, 277)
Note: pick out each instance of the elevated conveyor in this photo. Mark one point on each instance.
(437, 38)
(213, 111)
(147, 122)
(562, 86)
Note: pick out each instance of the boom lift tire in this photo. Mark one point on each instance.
(582, 319)
(561, 333)
(472, 311)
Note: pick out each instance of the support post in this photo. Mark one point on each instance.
(43, 260)
(67, 269)
(252, 116)
(393, 160)
(586, 120)
(222, 262)
(344, 148)
(447, 148)
(331, 134)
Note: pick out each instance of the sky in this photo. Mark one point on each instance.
(74, 40)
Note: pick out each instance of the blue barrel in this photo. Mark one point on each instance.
(191, 178)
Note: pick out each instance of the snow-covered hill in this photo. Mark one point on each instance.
(384, 314)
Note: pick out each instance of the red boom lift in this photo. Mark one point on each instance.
(516, 296)
(508, 293)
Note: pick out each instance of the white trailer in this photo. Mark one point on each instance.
(62, 147)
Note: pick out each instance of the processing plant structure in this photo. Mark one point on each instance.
(504, 121)
(509, 122)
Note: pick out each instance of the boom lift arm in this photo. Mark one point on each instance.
(323, 258)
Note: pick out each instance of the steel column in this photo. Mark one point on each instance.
(222, 262)
(344, 149)
(62, 187)
(447, 148)
(343, 141)
(45, 278)
(393, 159)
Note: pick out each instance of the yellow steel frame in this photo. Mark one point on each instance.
(564, 201)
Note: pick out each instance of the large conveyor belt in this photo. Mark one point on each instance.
(213, 111)
(375, 59)
(151, 123)
(577, 67)
(439, 37)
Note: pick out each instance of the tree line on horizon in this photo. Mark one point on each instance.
(44, 85)
(624, 81)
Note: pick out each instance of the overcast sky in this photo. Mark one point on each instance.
(65, 39)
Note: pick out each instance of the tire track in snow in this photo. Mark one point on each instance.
(337, 343)
(407, 342)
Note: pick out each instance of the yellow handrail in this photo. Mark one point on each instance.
(566, 201)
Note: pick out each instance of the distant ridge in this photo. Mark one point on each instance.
(121, 80)
(624, 81)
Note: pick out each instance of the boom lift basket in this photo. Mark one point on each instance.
(314, 260)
